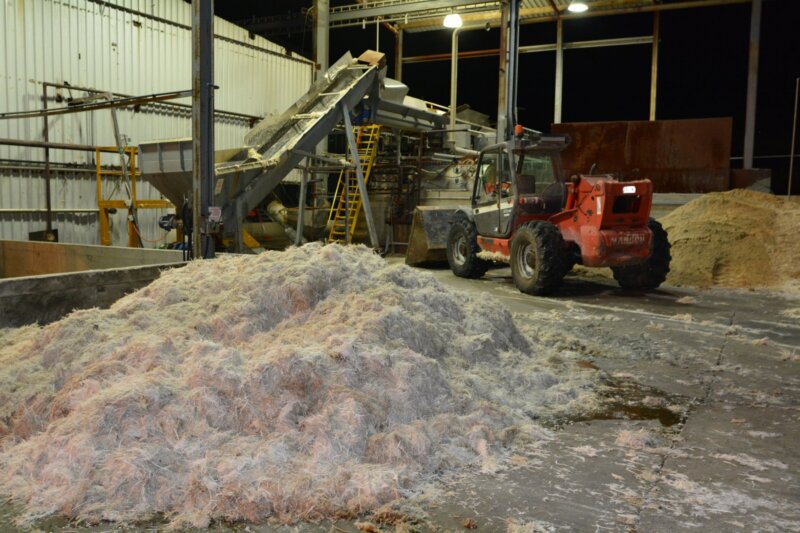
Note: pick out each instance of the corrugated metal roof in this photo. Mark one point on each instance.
(125, 46)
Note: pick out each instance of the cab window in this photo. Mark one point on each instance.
(535, 173)
(494, 174)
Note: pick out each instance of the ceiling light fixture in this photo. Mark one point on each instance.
(453, 20)
(577, 6)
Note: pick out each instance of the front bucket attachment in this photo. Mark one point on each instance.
(427, 242)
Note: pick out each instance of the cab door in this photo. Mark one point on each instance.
(493, 198)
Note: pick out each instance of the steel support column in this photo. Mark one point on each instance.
(321, 54)
(654, 65)
(502, 119)
(752, 84)
(794, 132)
(398, 55)
(559, 70)
(202, 125)
(321, 35)
(362, 185)
(301, 207)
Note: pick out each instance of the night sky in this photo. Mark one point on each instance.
(702, 69)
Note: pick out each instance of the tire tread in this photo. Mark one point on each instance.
(653, 272)
(474, 267)
(551, 262)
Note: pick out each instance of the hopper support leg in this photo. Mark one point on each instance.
(362, 185)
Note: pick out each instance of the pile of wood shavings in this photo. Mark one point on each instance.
(738, 238)
(308, 384)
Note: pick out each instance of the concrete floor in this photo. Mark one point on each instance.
(713, 376)
(729, 359)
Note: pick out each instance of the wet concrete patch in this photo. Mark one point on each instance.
(626, 399)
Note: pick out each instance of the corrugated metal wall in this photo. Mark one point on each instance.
(131, 47)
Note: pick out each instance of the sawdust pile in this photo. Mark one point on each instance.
(313, 383)
(738, 238)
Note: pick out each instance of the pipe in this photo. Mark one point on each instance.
(467, 151)
(453, 84)
(63, 170)
(51, 210)
(166, 103)
(44, 144)
(95, 106)
(454, 79)
(277, 212)
(46, 134)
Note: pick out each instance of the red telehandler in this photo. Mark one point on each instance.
(524, 211)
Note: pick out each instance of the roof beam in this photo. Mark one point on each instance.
(600, 8)
(536, 48)
(276, 24)
(368, 10)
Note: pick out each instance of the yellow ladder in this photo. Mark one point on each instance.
(348, 202)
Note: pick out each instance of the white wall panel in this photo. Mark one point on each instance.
(132, 47)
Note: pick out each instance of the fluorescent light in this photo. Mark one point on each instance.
(453, 20)
(577, 7)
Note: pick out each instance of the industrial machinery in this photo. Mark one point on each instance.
(244, 177)
(353, 96)
(523, 211)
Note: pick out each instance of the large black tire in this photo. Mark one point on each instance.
(538, 262)
(462, 250)
(653, 272)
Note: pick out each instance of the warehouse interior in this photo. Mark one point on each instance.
(369, 265)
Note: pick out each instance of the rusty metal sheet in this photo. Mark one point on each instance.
(742, 178)
(685, 156)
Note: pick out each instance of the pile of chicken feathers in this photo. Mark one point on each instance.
(314, 383)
